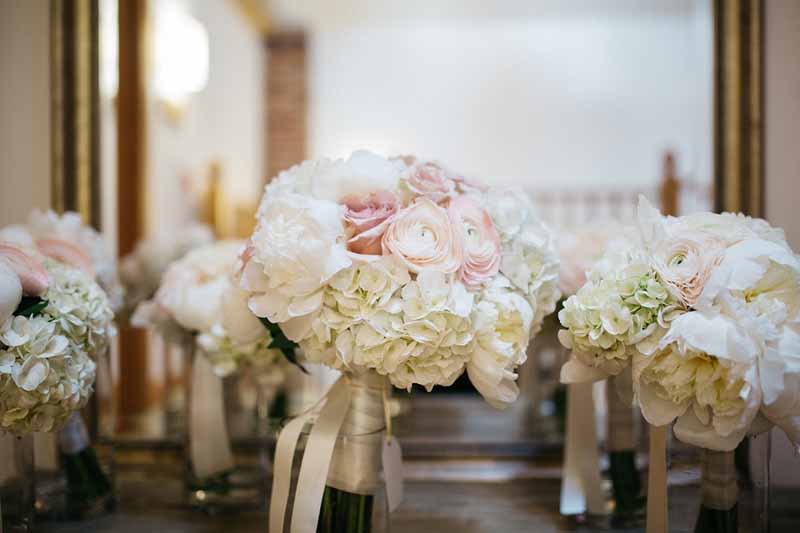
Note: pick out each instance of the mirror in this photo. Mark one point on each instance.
(585, 105)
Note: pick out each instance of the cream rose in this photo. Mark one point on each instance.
(366, 220)
(429, 180)
(685, 262)
(480, 239)
(422, 237)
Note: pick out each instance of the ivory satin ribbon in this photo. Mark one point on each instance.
(657, 481)
(209, 447)
(581, 489)
(315, 469)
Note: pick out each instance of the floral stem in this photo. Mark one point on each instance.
(718, 511)
(345, 512)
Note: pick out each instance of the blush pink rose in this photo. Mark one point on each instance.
(422, 237)
(32, 274)
(431, 181)
(366, 220)
(481, 241)
(67, 253)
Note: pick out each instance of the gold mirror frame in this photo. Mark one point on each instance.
(738, 106)
(74, 108)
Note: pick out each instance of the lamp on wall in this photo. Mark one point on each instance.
(181, 56)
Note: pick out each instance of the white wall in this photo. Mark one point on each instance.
(224, 122)
(24, 108)
(782, 107)
(782, 164)
(561, 99)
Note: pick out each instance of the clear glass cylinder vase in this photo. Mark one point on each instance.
(216, 478)
(354, 499)
(720, 491)
(16, 484)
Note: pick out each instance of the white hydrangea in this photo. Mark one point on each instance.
(616, 312)
(529, 251)
(80, 308)
(46, 361)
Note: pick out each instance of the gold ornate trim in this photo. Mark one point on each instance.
(255, 14)
(74, 102)
(738, 106)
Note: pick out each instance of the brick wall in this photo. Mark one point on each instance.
(287, 102)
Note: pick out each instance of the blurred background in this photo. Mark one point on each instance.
(185, 109)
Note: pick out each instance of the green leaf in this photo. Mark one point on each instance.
(282, 343)
(30, 306)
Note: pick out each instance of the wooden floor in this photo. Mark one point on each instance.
(152, 501)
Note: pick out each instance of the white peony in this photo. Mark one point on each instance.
(141, 270)
(362, 173)
(502, 319)
(298, 245)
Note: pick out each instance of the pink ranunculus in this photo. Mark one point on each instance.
(422, 237)
(67, 253)
(481, 241)
(32, 274)
(366, 220)
(431, 181)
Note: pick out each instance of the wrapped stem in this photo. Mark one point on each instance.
(720, 493)
(89, 490)
(625, 481)
(353, 477)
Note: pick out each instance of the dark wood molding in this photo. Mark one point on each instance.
(134, 387)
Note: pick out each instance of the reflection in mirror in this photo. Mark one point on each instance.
(583, 105)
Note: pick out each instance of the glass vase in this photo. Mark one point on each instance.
(626, 484)
(16, 484)
(89, 489)
(354, 499)
(213, 480)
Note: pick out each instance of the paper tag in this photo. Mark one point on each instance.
(73, 437)
(393, 472)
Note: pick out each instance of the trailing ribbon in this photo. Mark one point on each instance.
(354, 406)
(581, 489)
(209, 447)
(657, 481)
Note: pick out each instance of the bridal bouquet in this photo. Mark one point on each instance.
(198, 298)
(141, 270)
(67, 239)
(398, 270)
(704, 311)
(402, 267)
(55, 321)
